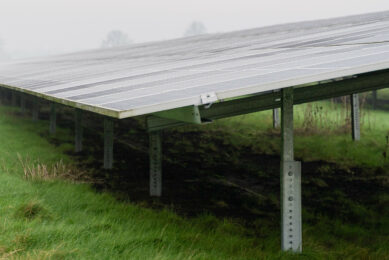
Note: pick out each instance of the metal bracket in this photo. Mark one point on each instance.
(208, 98)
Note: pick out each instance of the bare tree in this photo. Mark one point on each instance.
(195, 28)
(115, 38)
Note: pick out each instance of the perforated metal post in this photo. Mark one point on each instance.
(276, 118)
(108, 143)
(53, 118)
(291, 234)
(355, 122)
(78, 130)
(35, 109)
(155, 163)
(23, 103)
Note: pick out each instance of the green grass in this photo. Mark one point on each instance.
(383, 94)
(59, 219)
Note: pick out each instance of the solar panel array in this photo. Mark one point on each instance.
(150, 77)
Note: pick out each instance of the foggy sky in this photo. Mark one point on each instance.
(42, 27)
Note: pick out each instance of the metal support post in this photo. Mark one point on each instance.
(108, 143)
(291, 228)
(276, 118)
(35, 109)
(23, 103)
(14, 98)
(155, 154)
(355, 122)
(4, 96)
(374, 99)
(53, 118)
(78, 130)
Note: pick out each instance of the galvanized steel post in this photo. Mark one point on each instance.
(108, 143)
(291, 233)
(35, 109)
(276, 118)
(155, 154)
(14, 98)
(355, 121)
(53, 118)
(374, 99)
(23, 103)
(78, 130)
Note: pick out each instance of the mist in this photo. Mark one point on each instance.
(45, 27)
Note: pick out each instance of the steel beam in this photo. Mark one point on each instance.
(155, 154)
(108, 143)
(53, 118)
(189, 114)
(355, 117)
(78, 130)
(271, 100)
(291, 233)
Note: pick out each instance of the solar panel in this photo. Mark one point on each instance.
(151, 77)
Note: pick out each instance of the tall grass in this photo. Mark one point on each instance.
(58, 170)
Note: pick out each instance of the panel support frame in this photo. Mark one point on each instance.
(271, 99)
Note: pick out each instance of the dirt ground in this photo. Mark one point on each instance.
(204, 174)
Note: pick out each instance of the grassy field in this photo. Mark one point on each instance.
(322, 132)
(58, 217)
